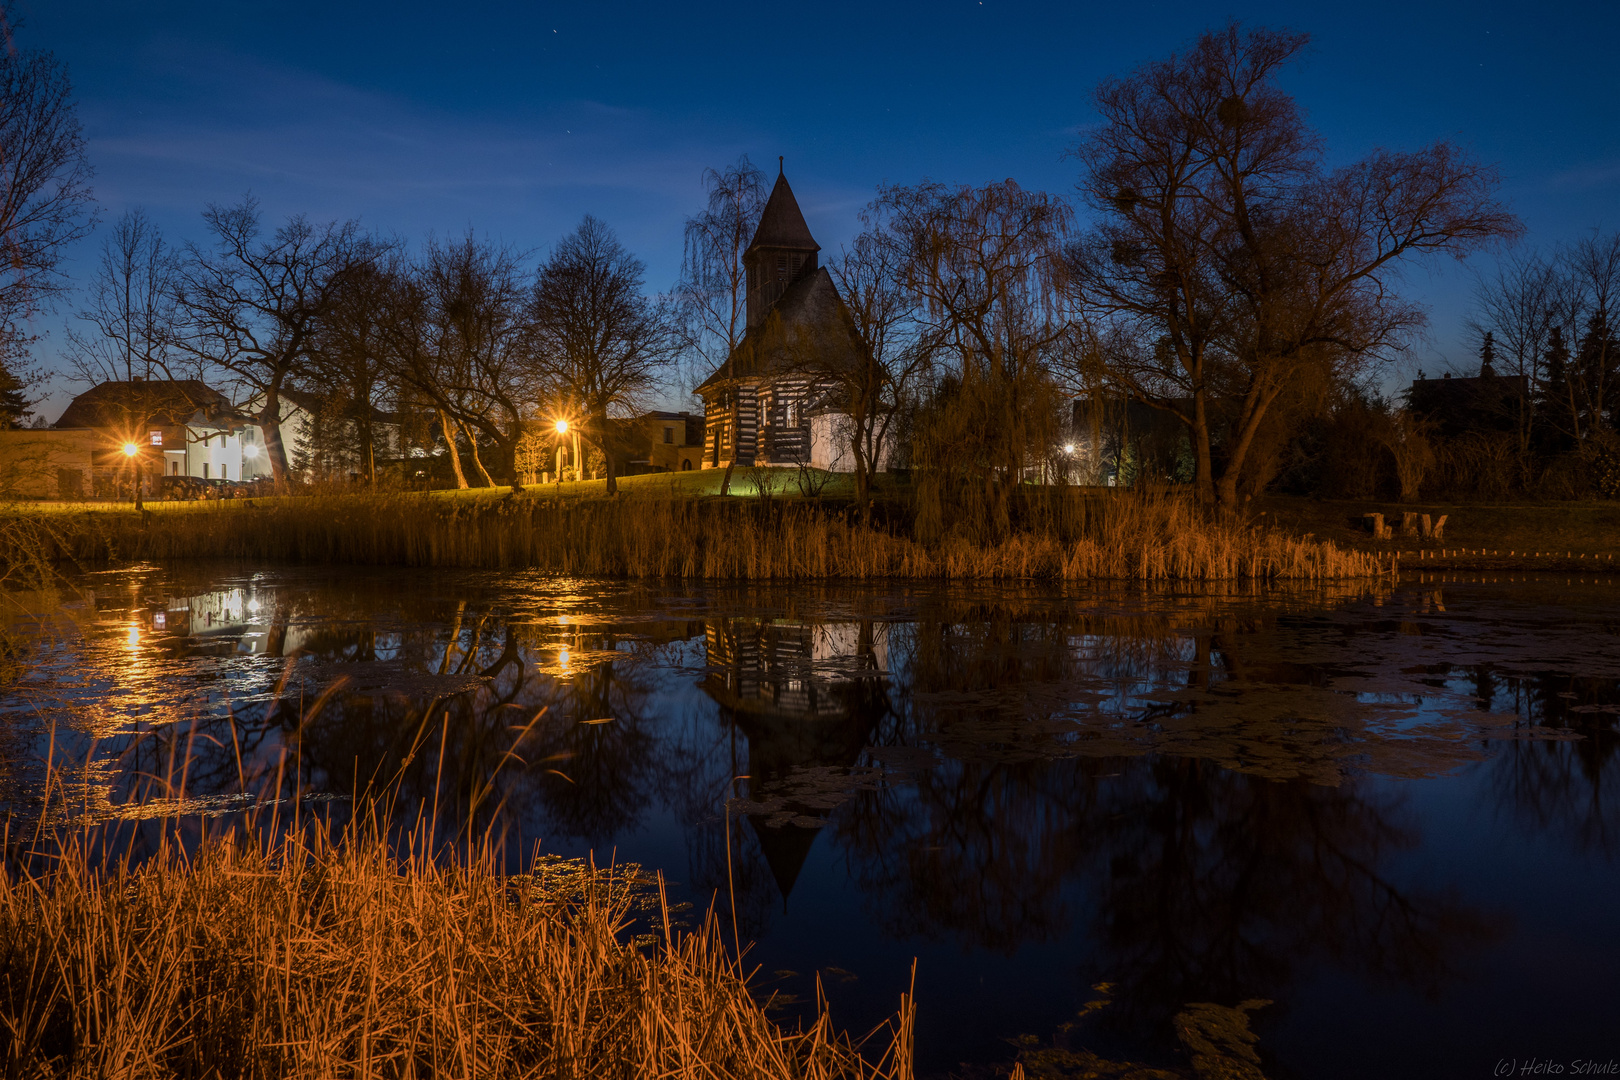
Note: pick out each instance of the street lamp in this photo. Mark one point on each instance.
(563, 428)
(130, 451)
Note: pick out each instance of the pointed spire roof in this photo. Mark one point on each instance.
(782, 224)
(785, 847)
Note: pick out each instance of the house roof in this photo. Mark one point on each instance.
(808, 327)
(781, 225)
(118, 404)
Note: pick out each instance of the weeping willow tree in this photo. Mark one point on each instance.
(985, 265)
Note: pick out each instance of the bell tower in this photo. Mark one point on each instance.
(781, 252)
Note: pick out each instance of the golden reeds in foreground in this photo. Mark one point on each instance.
(314, 959)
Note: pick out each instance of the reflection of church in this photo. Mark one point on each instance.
(804, 696)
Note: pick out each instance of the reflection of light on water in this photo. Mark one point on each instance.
(160, 620)
(253, 606)
(562, 658)
(134, 637)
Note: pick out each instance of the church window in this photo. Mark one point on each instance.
(781, 266)
(798, 263)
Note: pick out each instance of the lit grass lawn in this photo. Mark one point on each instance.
(782, 483)
(1556, 530)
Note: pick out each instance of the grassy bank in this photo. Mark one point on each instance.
(1123, 536)
(306, 959)
(1567, 537)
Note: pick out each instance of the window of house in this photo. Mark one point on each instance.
(205, 470)
(781, 266)
(157, 438)
(798, 264)
(224, 472)
(669, 435)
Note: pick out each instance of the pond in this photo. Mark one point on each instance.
(1389, 809)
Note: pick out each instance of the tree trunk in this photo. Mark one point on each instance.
(1203, 468)
(270, 428)
(609, 465)
(1249, 425)
(450, 443)
(478, 462)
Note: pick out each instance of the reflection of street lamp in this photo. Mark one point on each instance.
(1068, 448)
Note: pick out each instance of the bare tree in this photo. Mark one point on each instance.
(986, 268)
(598, 343)
(126, 328)
(45, 199)
(1591, 320)
(455, 339)
(893, 351)
(1225, 240)
(253, 305)
(348, 361)
(1517, 308)
(713, 286)
(125, 331)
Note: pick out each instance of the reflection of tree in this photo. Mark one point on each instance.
(1559, 787)
(1207, 884)
(1216, 885)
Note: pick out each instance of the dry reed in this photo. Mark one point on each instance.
(309, 958)
(1126, 537)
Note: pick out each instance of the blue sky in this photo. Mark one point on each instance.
(517, 119)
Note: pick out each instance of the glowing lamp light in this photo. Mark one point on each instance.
(253, 607)
(562, 427)
(130, 449)
(250, 451)
(1068, 448)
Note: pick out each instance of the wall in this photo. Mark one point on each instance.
(35, 464)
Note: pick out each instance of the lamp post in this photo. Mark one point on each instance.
(564, 428)
(133, 452)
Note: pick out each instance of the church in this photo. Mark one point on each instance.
(774, 400)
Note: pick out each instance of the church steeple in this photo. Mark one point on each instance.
(781, 252)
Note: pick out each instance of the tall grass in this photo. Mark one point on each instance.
(305, 957)
(1140, 537)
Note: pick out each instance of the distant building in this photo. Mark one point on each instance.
(673, 443)
(1458, 404)
(181, 427)
(760, 406)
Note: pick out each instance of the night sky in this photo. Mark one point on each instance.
(516, 119)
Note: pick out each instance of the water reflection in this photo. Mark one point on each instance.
(1187, 793)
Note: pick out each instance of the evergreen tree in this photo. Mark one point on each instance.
(1487, 356)
(14, 407)
(1554, 399)
(1597, 371)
